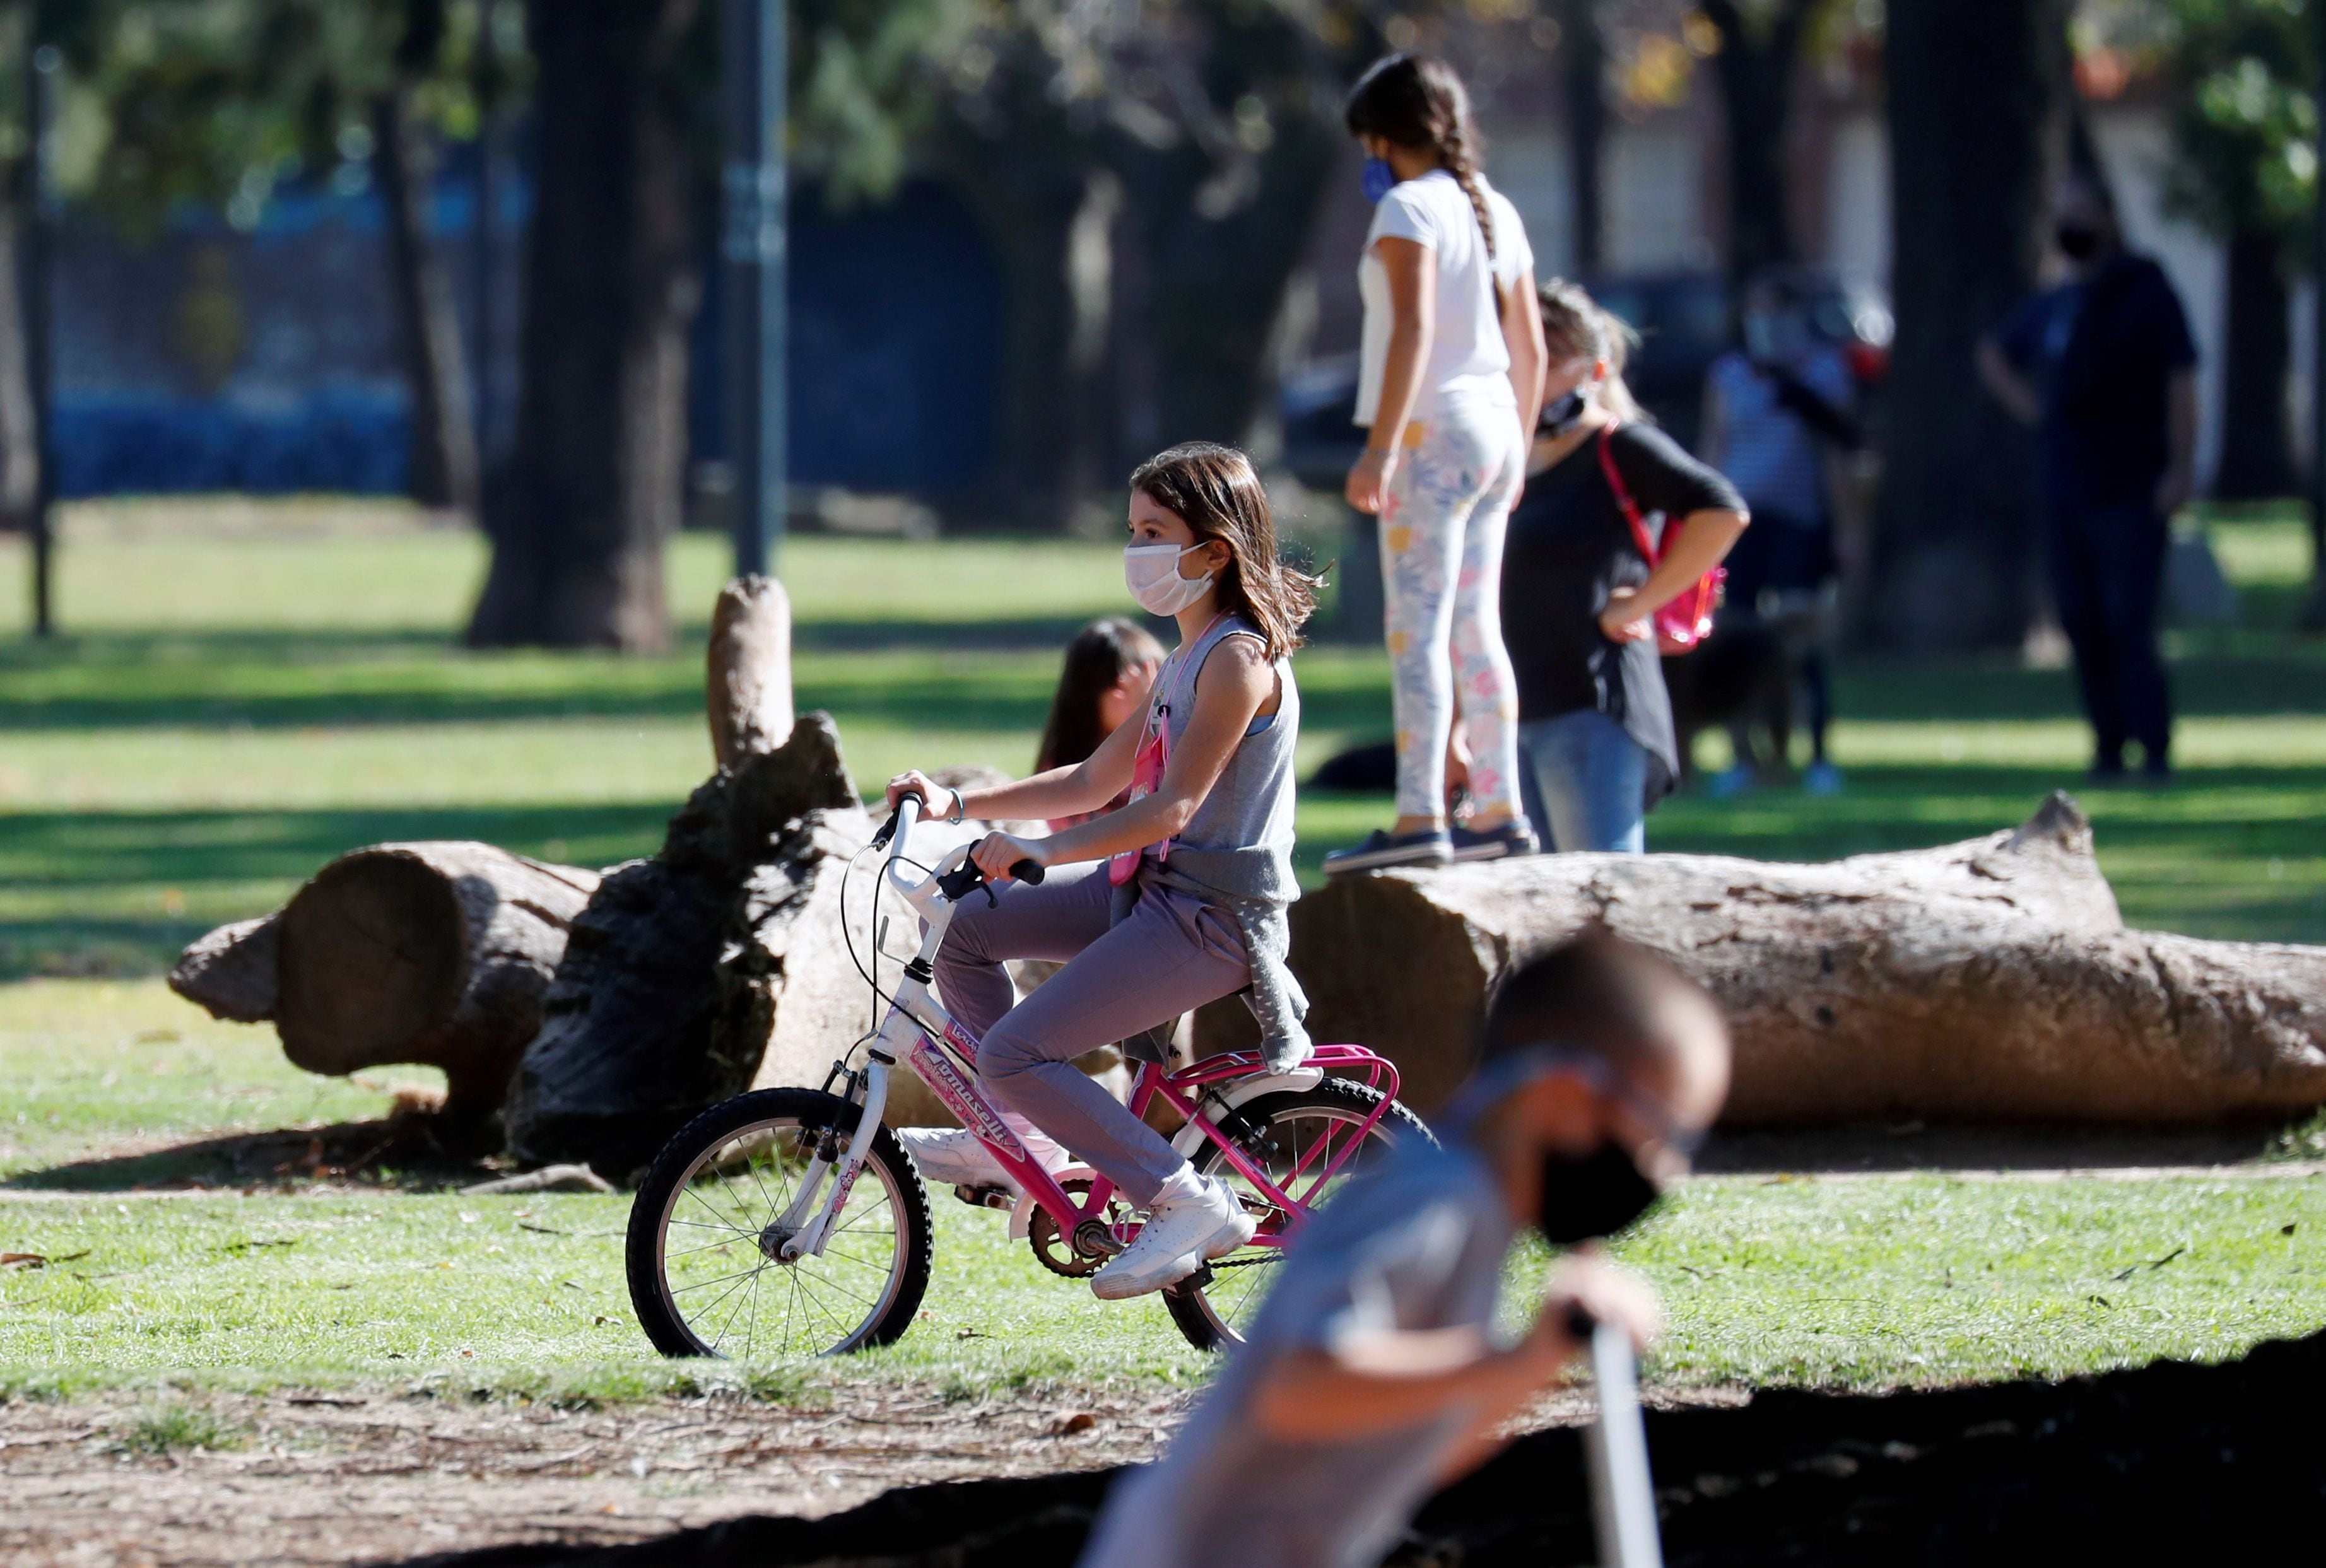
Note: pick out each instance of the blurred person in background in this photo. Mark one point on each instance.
(1450, 377)
(2103, 369)
(1777, 409)
(1109, 668)
(1596, 720)
(1374, 1373)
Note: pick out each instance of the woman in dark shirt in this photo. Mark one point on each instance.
(1595, 720)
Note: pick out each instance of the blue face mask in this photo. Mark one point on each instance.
(1379, 180)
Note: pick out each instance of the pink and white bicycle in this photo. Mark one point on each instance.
(789, 1221)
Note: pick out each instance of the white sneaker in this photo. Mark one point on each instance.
(954, 1156)
(1188, 1228)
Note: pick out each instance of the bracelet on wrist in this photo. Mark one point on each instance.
(960, 802)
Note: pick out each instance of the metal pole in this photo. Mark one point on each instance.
(1622, 1497)
(41, 66)
(751, 250)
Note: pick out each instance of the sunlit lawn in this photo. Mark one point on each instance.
(236, 701)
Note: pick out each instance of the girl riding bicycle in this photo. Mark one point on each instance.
(1175, 898)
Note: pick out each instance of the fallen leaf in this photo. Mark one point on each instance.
(22, 1260)
(1069, 1426)
(2285, 1229)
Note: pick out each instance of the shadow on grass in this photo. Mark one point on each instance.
(116, 853)
(1876, 1147)
(400, 1153)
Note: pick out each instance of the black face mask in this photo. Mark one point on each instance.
(1597, 1194)
(2079, 242)
(1562, 413)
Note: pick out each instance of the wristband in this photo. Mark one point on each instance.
(960, 802)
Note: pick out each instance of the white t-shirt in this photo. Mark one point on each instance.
(1468, 360)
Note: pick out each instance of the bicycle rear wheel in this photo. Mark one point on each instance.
(1278, 1133)
(706, 1279)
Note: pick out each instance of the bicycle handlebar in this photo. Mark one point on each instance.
(954, 883)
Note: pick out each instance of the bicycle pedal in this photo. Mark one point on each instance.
(984, 1197)
(1201, 1280)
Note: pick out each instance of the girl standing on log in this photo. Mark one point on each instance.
(1596, 720)
(1172, 900)
(1450, 377)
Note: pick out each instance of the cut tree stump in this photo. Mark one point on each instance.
(434, 953)
(1992, 981)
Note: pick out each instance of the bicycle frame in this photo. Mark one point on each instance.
(920, 1033)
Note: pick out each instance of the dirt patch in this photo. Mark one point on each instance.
(2169, 1463)
(343, 1477)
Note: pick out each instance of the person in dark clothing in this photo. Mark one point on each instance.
(1595, 720)
(2103, 369)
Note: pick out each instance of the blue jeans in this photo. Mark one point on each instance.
(1586, 782)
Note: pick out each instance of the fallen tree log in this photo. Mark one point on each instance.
(435, 953)
(1987, 980)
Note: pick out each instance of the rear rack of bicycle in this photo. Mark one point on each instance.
(1377, 1072)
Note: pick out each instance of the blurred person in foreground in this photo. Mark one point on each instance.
(1776, 408)
(1374, 1373)
(1578, 598)
(2103, 369)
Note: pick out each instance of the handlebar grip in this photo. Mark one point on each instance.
(887, 829)
(1029, 872)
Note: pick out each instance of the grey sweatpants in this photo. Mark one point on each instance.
(1173, 954)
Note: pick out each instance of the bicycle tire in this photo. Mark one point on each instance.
(889, 1288)
(1209, 1317)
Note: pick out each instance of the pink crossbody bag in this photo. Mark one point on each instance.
(1686, 620)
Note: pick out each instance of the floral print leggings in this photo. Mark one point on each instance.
(1441, 538)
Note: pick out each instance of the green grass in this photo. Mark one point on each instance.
(243, 693)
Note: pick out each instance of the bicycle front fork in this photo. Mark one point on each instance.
(800, 1230)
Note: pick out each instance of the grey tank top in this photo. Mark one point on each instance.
(1249, 811)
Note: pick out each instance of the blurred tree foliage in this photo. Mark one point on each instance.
(2245, 166)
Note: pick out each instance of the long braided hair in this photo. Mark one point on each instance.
(1416, 100)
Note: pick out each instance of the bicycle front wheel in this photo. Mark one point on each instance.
(706, 1233)
(1293, 1136)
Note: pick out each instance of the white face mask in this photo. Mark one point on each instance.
(1152, 574)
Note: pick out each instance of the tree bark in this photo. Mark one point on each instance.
(444, 464)
(436, 954)
(749, 670)
(1978, 97)
(1989, 980)
(598, 475)
(1758, 57)
(2256, 447)
(674, 977)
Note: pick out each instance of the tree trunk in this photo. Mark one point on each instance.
(435, 953)
(1584, 52)
(748, 672)
(1979, 92)
(444, 465)
(1757, 60)
(1029, 192)
(598, 476)
(2256, 450)
(674, 975)
(1990, 981)
(1224, 249)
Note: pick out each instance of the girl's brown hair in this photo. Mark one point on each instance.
(1575, 326)
(1102, 653)
(1416, 100)
(1214, 490)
